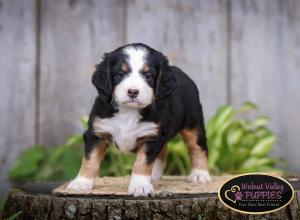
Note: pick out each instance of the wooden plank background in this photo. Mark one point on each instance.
(265, 67)
(235, 51)
(74, 35)
(194, 36)
(17, 81)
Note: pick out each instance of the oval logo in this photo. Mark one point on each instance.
(256, 193)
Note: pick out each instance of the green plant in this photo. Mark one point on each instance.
(15, 216)
(2, 202)
(178, 162)
(40, 163)
(236, 145)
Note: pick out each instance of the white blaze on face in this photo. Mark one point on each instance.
(134, 80)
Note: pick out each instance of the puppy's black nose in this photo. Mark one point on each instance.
(133, 93)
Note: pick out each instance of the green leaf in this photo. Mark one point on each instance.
(258, 164)
(262, 132)
(178, 161)
(84, 121)
(70, 162)
(261, 121)
(234, 136)
(2, 203)
(74, 140)
(263, 146)
(212, 158)
(15, 216)
(246, 107)
(55, 154)
(223, 115)
(46, 172)
(27, 163)
(210, 127)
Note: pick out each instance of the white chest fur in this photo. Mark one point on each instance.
(125, 128)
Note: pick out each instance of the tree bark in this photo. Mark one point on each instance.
(37, 202)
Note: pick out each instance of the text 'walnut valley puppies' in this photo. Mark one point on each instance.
(142, 103)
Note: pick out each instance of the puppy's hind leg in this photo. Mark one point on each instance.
(196, 143)
(159, 164)
(94, 153)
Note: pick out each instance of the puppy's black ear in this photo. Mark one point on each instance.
(166, 82)
(102, 77)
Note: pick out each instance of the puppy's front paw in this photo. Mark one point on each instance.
(199, 176)
(140, 185)
(81, 184)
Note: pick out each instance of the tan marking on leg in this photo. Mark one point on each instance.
(88, 172)
(140, 181)
(159, 164)
(90, 164)
(197, 155)
(140, 165)
(163, 153)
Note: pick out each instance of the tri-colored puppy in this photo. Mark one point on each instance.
(143, 102)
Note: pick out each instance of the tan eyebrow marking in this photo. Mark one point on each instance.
(124, 67)
(146, 68)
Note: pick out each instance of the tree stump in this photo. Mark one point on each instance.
(38, 201)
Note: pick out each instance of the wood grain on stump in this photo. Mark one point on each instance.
(180, 201)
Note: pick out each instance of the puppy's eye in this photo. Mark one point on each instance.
(121, 74)
(148, 75)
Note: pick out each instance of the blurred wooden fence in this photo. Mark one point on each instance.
(235, 50)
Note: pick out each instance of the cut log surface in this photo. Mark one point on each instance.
(174, 199)
(167, 185)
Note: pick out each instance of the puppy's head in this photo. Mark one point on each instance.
(134, 76)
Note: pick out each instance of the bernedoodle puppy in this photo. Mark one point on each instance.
(142, 103)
